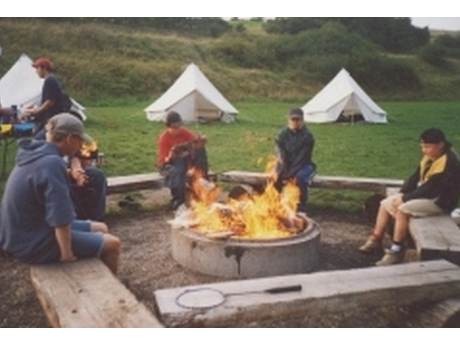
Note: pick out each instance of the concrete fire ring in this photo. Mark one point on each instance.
(237, 258)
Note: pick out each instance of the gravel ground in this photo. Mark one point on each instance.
(146, 265)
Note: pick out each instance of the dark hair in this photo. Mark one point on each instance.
(434, 136)
(296, 112)
(172, 117)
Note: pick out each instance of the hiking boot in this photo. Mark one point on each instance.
(372, 245)
(391, 258)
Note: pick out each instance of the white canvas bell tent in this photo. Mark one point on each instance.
(194, 97)
(21, 86)
(342, 97)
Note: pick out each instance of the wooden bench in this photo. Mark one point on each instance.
(86, 294)
(377, 185)
(442, 314)
(323, 293)
(130, 183)
(435, 237)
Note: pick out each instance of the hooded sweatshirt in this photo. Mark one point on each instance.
(35, 201)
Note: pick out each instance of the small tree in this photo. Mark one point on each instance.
(434, 54)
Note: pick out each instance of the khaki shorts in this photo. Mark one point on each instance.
(415, 207)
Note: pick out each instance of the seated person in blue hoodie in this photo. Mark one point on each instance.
(37, 217)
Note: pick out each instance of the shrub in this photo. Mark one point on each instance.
(434, 54)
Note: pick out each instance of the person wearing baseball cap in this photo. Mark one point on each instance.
(53, 98)
(433, 189)
(37, 217)
(295, 149)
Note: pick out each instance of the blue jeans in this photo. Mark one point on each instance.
(90, 199)
(175, 173)
(302, 178)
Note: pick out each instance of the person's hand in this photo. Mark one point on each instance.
(25, 115)
(397, 201)
(202, 139)
(68, 257)
(79, 176)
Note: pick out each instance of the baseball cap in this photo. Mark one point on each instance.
(296, 113)
(43, 62)
(68, 124)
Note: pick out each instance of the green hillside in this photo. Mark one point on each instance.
(102, 62)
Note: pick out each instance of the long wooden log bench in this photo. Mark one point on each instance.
(323, 293)
(378, 185)
(131, 183)
(86, 294)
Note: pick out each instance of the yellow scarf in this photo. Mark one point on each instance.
(437, 167)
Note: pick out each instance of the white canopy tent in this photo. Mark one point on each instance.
(342, 96)
(21, 86)
(194, 97)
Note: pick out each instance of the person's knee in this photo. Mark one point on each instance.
(97, 176)
(401, 214)
(112, 244)
(99, 227)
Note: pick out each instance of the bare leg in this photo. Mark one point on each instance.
(99, 227)
(111, 252)
(383, 218)
(401, 227)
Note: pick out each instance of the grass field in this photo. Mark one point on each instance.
(128, 140)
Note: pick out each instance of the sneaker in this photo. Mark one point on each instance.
(391, 258)
(175, 204)
(372, 245)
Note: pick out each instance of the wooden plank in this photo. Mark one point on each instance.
(322, 293)
(332, 182)
(86, 294)
(392, 191)
(436, 237)
(123, 184)
(131, 183)
(442, 314)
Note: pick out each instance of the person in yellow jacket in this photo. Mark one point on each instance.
(433, 189)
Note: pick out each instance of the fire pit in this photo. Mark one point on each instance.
(247, 258)
(251, 234)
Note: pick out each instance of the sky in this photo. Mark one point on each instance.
(437, 23)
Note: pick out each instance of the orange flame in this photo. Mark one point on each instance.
(271, 214)
(87, 149)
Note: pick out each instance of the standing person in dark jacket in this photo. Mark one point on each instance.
(295, 147)
(433, 189)
(53, 98)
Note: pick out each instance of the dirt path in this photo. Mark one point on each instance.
(147, 265)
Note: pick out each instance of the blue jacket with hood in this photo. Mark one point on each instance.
(36, 199)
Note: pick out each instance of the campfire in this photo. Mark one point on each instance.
(89, 150)
(246, 214)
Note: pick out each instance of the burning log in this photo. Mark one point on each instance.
(267, 214)
(241, 192)
(294, 224)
